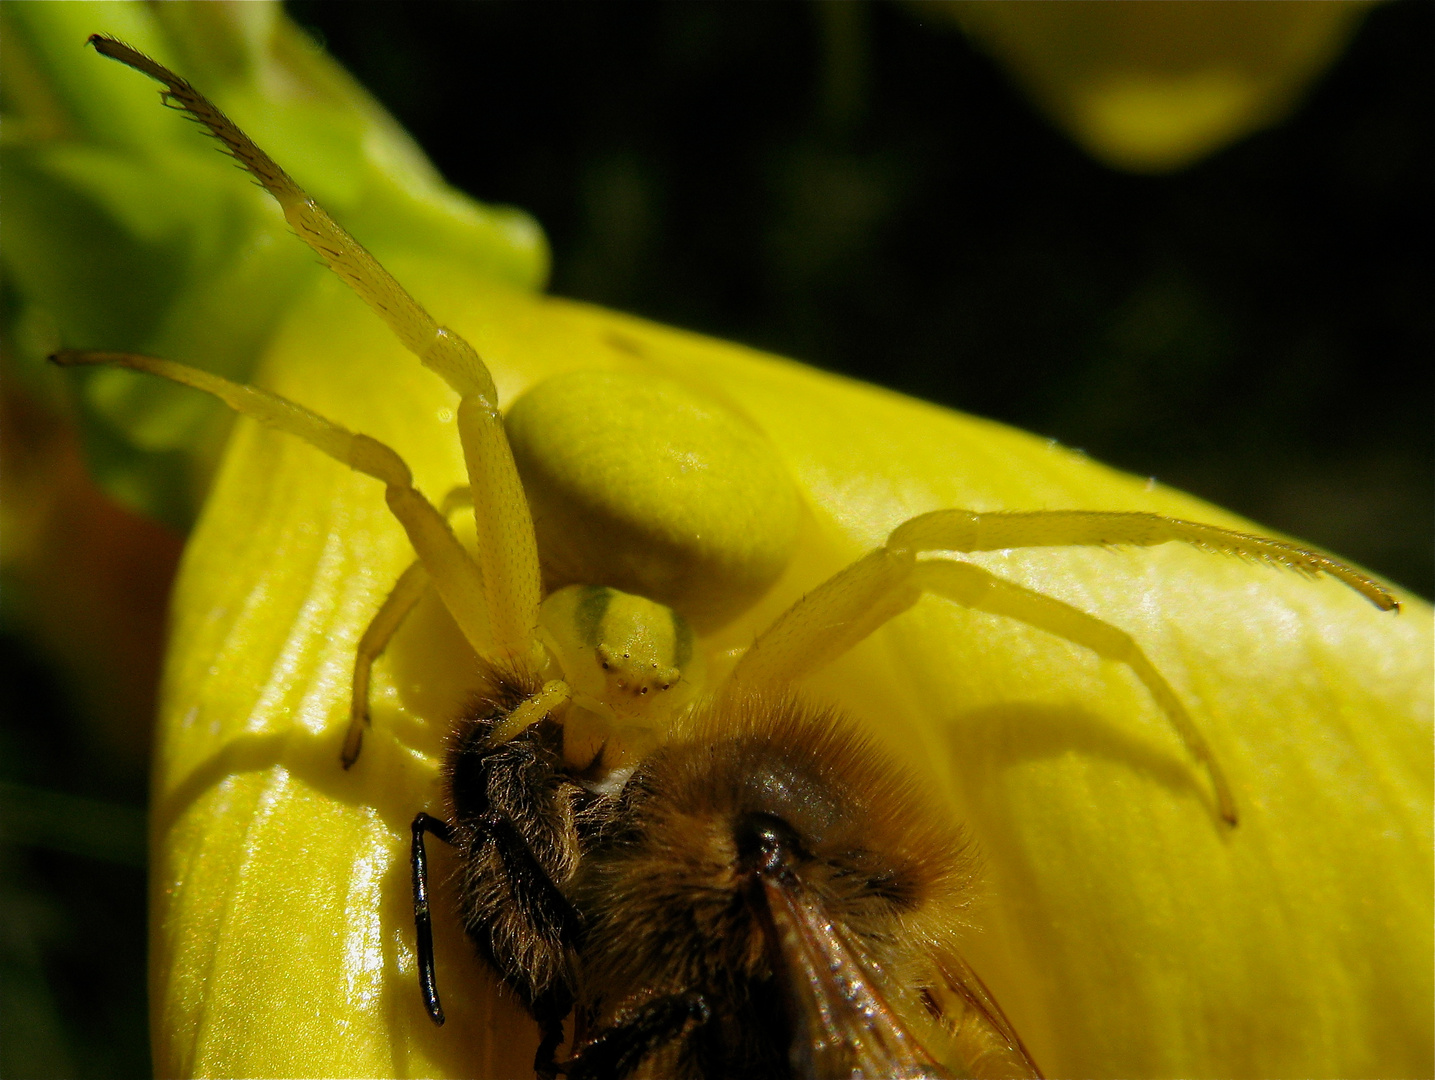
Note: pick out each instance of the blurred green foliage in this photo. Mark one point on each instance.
(125, 230)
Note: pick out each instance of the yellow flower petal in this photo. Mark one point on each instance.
(1125, 931)
(1154, 87)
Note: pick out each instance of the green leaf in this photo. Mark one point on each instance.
(125, 230)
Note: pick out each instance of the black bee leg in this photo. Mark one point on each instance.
(549, 1011)
(616, 1051)
(541, 895)
(423, 924)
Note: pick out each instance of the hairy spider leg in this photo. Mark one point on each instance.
(506, 549)
(849, 606)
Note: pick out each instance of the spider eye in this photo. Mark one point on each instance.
(615, 650)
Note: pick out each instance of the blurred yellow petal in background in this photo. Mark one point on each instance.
(1152, 86)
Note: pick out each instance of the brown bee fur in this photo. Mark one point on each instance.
(666, 900)
(620, 904)
(516, 818)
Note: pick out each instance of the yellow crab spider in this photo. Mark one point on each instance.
(615, 667)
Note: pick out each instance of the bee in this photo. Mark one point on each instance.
(764, 895)
(708, 880)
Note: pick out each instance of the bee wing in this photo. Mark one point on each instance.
(843, 1020)
(981, 1035)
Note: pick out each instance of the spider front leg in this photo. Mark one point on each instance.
(964, 530)
(852, 604)
(453, 571)
(442, 560)
(507, 552)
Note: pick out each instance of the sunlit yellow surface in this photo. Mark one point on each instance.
(1125, 931)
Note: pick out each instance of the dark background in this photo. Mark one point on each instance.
(853, 186)
(849, 186)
